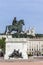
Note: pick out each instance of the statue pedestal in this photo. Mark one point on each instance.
(16, 43)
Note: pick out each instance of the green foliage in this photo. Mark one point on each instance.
(38, 35)
(18, 35)
(15, 35)
(2, 44)
(30, 36)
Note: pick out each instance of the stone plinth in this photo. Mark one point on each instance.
(16, 43)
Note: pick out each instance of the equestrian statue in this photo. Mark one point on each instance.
(16, 26)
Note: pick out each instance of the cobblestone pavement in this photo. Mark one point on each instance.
(22, 63)
(31, 59)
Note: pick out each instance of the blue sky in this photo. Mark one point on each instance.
(29, 10)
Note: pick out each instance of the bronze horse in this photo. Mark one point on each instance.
(16, 27)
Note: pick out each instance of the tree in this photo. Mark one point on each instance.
(2, 44)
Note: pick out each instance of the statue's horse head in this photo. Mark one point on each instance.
(21, 22)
